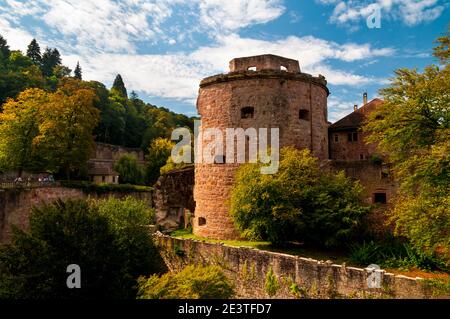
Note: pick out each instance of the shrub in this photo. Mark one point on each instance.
(193, 282)
(130, 171)
(130, 220)
(102, 240)
(299, 203)
(395, 254)
(271, 283)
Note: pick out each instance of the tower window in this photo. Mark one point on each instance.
(201, 221)
(247, 112)
(379, 198)
(303, 115)
(361, 156)
(336, 138)
(251, 68)
(219, 159)
(353, 137)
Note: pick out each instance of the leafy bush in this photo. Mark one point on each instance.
(193, 282)
(105, 239)
(395, 254)
(271, 283)
(130, 171)
(299, 203)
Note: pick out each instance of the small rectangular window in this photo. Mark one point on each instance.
(247, 112)
(361, 156)
(336, 138)
(303, 115)
(220, 159)
(201, 221)
(379, 198)
(352, 137)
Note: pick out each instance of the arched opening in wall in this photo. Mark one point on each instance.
(247, 112)
(201, 221)
(303, 115)
(283, 68)
(251, 68)
(219, 159)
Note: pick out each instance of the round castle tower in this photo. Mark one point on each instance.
(264, 91)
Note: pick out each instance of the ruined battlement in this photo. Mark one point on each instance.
(264, 62)
(266, 74)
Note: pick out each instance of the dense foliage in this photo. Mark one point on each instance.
(129, 169)
(412, 128)
(298, 203)
(158, 155)
(392, 253)
(42, 131)
(107, 239)
(123, 120)
(193, 282)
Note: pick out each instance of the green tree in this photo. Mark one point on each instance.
(412, 127)
(130, 218)
(4, 49)
(50, 59)
(158, 153)
(193, 282)
(442, 50)
(130, 171)
(99, 237)
(119, 86)
(299, 203)
(34, 52)
(77, 72)
(19, 127)
(65, 141)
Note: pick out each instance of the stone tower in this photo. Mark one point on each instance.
(264, 91)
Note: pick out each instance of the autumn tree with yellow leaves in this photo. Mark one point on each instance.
(51, 132)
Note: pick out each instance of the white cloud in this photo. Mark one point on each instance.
(104, 36)
(18, 39)
(177, 75)
(116, 26)
(410, 12)
(236, 14)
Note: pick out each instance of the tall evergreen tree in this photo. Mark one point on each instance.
(50, 59)
(119, 86)
(78, 72)
(4, 48)
(34, 52)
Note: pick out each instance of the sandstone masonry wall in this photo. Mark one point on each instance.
(172, 196)
(248, 268)
(277, 99)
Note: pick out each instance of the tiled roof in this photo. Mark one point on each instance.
(356, 118)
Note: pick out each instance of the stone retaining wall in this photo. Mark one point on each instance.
(296, 277)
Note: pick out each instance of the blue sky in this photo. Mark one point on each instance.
(163, 48)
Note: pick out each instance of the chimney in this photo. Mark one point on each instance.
(365, 98)
(355, 107)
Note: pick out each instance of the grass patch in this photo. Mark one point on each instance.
(291, 249)
(90, 188)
